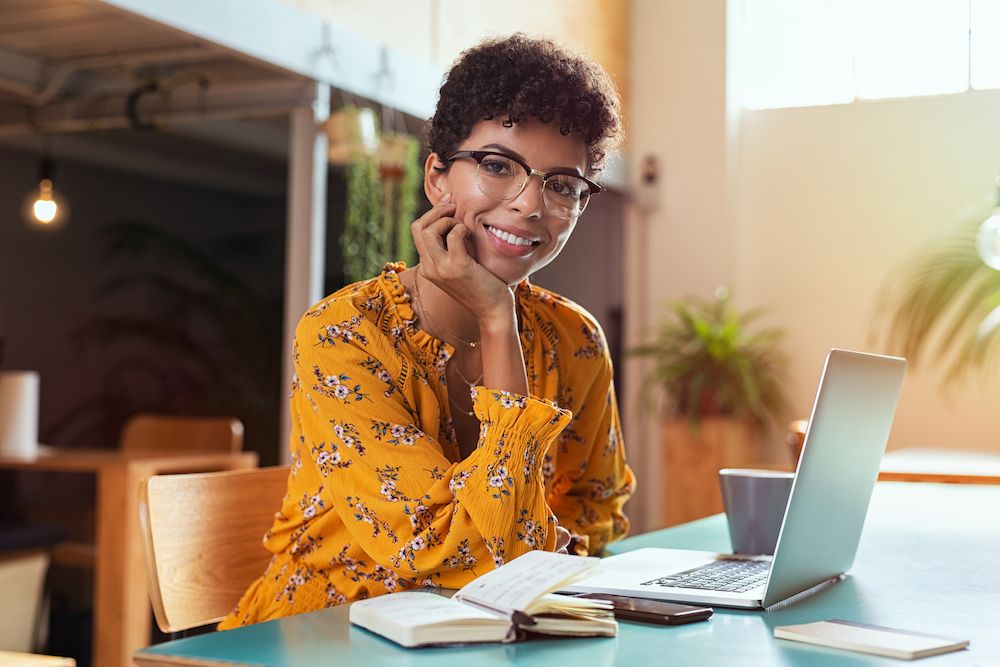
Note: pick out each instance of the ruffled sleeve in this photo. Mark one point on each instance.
(422, 518)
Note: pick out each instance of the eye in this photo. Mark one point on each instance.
(567, 186)
(495, 165)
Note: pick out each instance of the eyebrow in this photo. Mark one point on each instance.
(511, 151)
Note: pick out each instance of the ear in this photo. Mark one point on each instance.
(435, 182)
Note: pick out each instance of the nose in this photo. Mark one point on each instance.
(529, 203)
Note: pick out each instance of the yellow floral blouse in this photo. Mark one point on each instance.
(378, 497)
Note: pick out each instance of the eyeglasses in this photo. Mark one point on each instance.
(503, 177)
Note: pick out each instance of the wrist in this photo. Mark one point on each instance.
(499, 320)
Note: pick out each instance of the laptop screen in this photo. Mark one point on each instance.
(847, 434)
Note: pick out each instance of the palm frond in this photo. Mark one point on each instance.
(936, 304)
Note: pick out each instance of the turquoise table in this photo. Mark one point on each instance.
(929, 561)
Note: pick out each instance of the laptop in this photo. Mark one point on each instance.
(819, 536)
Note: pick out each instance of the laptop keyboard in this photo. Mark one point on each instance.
(734, 575)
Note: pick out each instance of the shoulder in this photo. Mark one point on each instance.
(345, 307)
(360, 315)
(578, 331)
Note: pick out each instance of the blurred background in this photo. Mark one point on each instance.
(180, 180)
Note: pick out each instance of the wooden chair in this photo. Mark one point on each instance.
(202, 534)
(148, 431)
(795, 439)
(160, 432)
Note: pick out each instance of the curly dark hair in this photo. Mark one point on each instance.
(518, 77)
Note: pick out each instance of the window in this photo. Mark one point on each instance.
(984, 47)
(812, 52)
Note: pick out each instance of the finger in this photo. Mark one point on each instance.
(428, 242)
(433, 237)
(455, 243)
(439, 210)
(456, 259)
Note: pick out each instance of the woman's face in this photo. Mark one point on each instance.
(541, 147)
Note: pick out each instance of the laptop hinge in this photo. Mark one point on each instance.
(804, 594)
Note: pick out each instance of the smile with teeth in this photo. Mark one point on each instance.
(510, 238)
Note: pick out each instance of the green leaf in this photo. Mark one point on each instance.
(936, 303)
(706, 362)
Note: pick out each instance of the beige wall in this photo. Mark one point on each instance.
(806, 211)
(686, 245)
(437, 30)
(831, 201)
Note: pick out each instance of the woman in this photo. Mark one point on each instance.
(450, 417)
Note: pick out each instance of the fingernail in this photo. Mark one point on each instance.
(446, 198)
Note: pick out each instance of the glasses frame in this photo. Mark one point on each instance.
(479, 156)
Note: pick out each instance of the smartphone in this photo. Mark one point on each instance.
(652, 611)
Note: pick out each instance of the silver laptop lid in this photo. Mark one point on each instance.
(844, 443)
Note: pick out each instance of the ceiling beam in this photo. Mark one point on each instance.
(21, 74)
(119, 153)
(229, 100)
(275, 33)
(252, 137)
(37, 82)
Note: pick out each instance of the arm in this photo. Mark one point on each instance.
(592, 506)
(410, 509)
(445, 262)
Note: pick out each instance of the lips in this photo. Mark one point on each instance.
(510, 243)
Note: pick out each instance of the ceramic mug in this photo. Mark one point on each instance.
(755, 502)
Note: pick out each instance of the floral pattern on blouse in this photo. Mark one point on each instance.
(379, 498)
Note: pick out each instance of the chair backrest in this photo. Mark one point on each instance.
(202, 535)
(795, 439)
(215, 434)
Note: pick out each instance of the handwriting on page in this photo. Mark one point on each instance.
(515, 585)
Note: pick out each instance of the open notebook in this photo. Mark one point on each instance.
(497, 607)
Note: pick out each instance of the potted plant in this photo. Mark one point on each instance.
(381, 203)
(722, 386)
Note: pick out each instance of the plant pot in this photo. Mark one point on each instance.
(692, 457)
(352, 133)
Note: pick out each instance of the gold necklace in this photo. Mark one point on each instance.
(471, 385)
(416, 290)
(471, 344)
(459, 407)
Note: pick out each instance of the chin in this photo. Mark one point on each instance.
(510, 270)
(505, 271)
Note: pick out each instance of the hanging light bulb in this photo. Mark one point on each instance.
(45, 208)
(988, 241)
(988, 237)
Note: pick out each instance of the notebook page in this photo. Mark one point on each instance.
(415, 608)
(516, 584)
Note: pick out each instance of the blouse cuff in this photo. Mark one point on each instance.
(528, 414)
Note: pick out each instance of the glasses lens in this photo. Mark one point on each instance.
(500, 177)
(565, 195)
